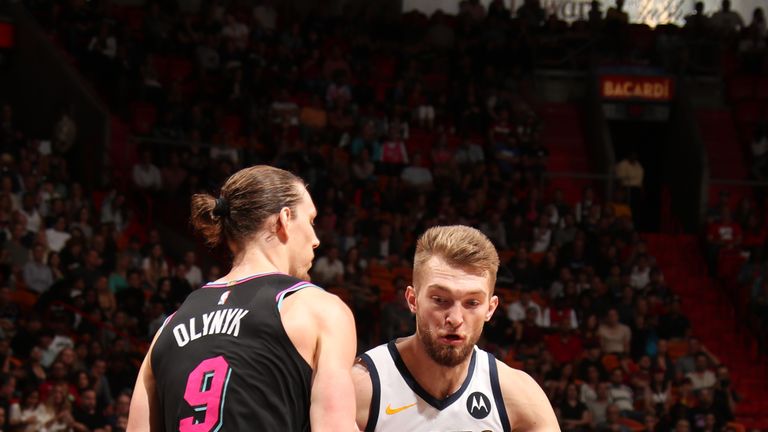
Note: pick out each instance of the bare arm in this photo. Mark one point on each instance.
(333, 395)
(527, 406)
(144, 413)
(363, 393)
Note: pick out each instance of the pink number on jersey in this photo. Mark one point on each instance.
(206, 388)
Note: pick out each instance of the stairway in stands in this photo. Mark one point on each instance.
(714, 322)
(563, 134)
(727, 160)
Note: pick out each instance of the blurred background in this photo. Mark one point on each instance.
(615, 153)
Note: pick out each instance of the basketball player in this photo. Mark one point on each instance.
(260, 348)
(437, 380)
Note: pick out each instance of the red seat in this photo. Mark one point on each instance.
(748, 112)
(143, 117)
(762, 89)
(232, 125)
(741, 88)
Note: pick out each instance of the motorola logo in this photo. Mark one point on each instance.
(478, 405)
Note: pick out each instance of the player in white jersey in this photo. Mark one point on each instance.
(437, 380)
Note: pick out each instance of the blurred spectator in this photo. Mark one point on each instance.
(726, 21)
(517, 310)
(673, 324)
(574, 414)
(617, 14)
(612, 417)
(86, 415)
(615, 337)
(328, 270)
(565, 346)
(701, 377)
(396, 318)
(146, 175)
(37, 275)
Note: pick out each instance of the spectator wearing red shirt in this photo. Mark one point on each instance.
(564, 345)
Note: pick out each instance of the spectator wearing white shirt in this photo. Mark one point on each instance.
(194, 275)
(37, 274)
(542, 236)
(615, 337)
(640, 276)
(236, 32)
(57, 235)
(30, 213)
(702, 377)
(516, 310)
(468, 154)
(621, 394)
(416, 176)
(104, 43)
(146, 175)
(328, 270)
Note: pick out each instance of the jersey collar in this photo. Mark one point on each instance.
(439, 404)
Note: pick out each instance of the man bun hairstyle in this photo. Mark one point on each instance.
(244, 203)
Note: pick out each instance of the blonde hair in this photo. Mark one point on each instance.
(460, 246)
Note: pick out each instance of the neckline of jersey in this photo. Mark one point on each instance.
(239, 281)
(439, 404)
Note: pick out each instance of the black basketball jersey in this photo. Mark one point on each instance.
(223, 361)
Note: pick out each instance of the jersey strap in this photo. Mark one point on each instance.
(290, 290)
(497, 396)
(373, 412)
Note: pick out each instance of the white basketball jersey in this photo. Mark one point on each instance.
(400, 404)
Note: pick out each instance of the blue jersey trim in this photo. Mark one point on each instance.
(373, 411)
(497, 396)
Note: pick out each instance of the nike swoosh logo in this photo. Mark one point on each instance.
(391, 410)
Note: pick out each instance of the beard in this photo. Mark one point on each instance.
(301, 272)
(445, 355)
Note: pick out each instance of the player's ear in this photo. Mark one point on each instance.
(282, 220)
(410, 298)
(492, 305)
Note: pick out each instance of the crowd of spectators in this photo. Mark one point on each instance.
(395, 129)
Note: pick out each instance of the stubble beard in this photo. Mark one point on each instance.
(445, 355)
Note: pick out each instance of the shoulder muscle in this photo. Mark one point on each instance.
(527, 406)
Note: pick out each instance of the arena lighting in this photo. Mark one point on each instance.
(651, 12)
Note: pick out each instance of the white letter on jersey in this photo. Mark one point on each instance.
(192, 330)
(218, 318)
(206, 322)
(234, 329)
(230, 314)
(181, 335)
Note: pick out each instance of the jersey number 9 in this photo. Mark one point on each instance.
(206, 389)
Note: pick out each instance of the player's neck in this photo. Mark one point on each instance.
(254, 259)
(438, 380)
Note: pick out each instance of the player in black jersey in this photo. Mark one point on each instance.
(260, 349)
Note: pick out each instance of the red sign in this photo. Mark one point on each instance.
(649, 88)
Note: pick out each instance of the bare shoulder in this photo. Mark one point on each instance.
(315, 319)
(527, 406)
(320, 304)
